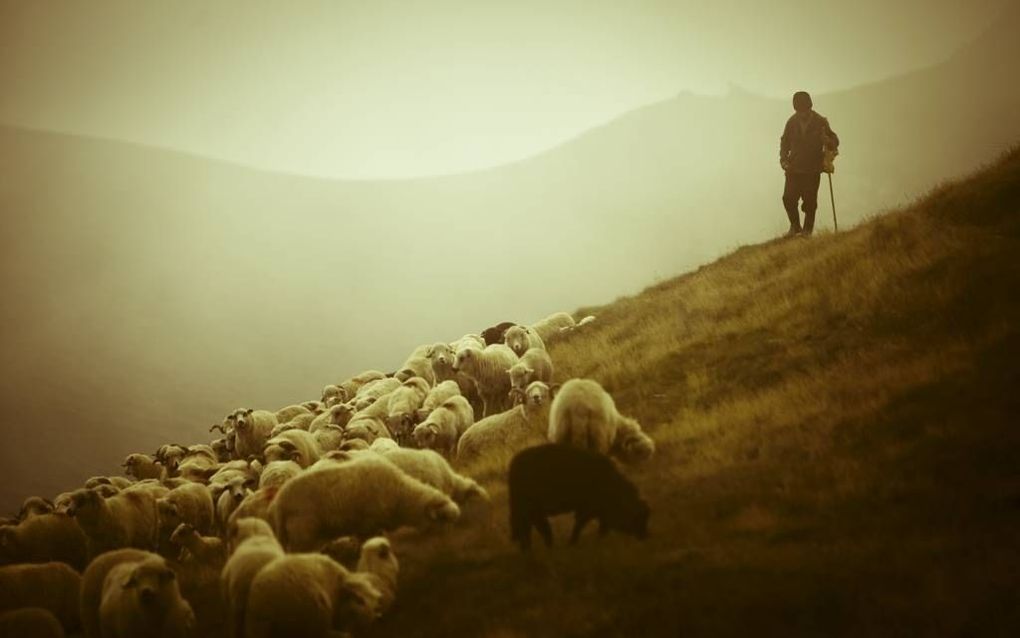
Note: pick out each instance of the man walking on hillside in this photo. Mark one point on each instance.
(801, 156)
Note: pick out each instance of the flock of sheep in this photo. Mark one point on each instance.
(284, 515)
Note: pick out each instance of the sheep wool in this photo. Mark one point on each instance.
(431, 468)
(142, 598)
(44, 538)
(54, 587)
(583, 414)
(255, 546)
(520, 339)
(308, 595)
(445, 425)
(488, 369)
(126, 519)
(363, 496)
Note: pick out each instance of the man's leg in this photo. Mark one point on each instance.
(809, 191)
(791, 194)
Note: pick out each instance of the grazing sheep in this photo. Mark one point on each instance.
(585, 415)
(54, 587)
(254, 547)
(35, 506)
(30, 621)
(631, 444)
(293, 445)
(208, 550)
(488, 369)
(143, 466)
(507, 432)
(495, 334)
(402, 407)
(556, 479)
(416, 366)
(549, 328)
(276, 473)
(520, 339)
(306, 596)
(126, 519)
(431, 468)
(43, 539)
(288, 413)
(252, 430)
(535, 365)
(142, 598)
(340, 414)
(190, 503)
(379, 565)
(363, 496)
(445, 425)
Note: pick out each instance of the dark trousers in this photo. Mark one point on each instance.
(801, 186)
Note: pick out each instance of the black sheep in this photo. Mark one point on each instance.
(495, 333)
(556, 479)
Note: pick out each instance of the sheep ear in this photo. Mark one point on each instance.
(553, 389)
(167, 576)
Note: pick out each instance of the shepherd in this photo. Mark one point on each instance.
(806, 142)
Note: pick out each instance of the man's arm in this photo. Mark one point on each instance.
(831, 139)
(784, 147)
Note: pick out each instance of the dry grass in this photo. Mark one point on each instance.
(838, 450)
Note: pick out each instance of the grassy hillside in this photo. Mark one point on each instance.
(838, 450)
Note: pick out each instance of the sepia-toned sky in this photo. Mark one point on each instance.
(396, 89)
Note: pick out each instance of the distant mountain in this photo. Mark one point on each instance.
(146, 292)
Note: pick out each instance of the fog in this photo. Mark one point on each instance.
(147, 291)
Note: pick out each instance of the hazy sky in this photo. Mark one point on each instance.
(395, 89)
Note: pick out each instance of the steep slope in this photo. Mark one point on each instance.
(837, 447)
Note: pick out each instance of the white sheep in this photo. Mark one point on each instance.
(333, 394)
(535, 365)
(252, 429)
(229, 495)
(367, 428)
(445, 425)
(402, 407)
(54, 587)
(200, 462)
(35, 506)
(190, 503)
(550, 327)
(44, 538)
(378, 563)
(520, 339)
(355, 384)
(170, 456)
(283, 415)
(377, 388)
(443, 357)
(631, 444)
(340, 414)
(293, 445)
(584, 414)
(92, 581)
(362, 496)
(416, 366)
(488, 369)
(126, 519)
(206, 550)
(276, 473)
(329, 437)
(308, 595)
(510, 431)
(142, 598)
(253, 547)
(30, 621)
(437, 396)
(143, 466)
(429, 467)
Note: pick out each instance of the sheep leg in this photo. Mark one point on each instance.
(580, 520)
(541, 523)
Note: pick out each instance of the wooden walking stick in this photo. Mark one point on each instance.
(832, 199)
